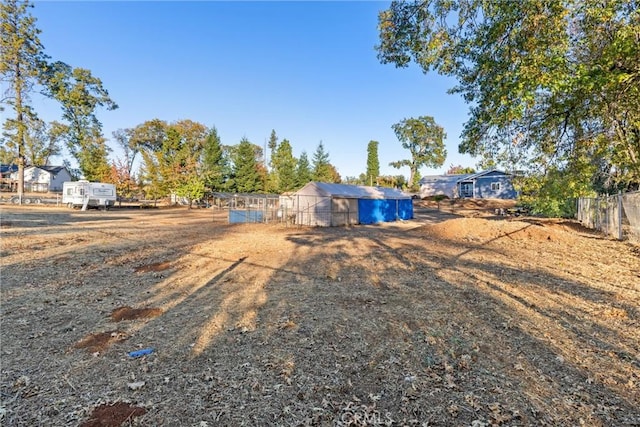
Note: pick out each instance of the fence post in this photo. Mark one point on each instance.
(620, 236)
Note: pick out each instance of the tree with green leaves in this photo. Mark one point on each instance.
(373, 164)
(130, 151)
(458, 169)
(121, 177)
(549, 83)
(22, 61)
(172, 157)
(303, 171)
(215, 163)
(284, 167)
(424, 139)
(353, 180)
(272, 176)
(321, 167)
(41, 141)
(273, 146)
(80, 94)
(147, 138)
(397, 181)
(185, 173)
(93, 158)
(7, 156)
(334, 175)
(247, 177)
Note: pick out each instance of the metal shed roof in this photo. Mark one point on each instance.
(445, 178)
(350, 191)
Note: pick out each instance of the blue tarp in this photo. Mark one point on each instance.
(373, 211)
(405, 209)
(241, 216)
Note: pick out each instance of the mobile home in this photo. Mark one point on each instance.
(88, 194)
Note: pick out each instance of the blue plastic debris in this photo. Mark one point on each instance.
(140, 353)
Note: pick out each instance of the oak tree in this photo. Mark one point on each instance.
(424, 139)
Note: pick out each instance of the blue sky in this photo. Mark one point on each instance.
(306, 69)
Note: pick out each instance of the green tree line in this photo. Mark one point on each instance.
(184, 157)
(187, 158)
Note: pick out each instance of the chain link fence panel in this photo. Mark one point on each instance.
(616, 216)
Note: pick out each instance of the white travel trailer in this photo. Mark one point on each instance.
(88, 194)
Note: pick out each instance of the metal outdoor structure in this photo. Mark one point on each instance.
(323, 211)
(343, 205)
(328, 205)
(248, 207)
(338, 211)
(617, 216)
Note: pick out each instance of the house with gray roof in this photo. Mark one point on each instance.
(489, 184)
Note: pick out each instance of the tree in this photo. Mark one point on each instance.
(215, 163)
(147, 138)
(93, 158)
(120, 176)
(397, 181)
(191, 188)
(130, 150)
(271, 184)
(273, 145)
(41, 141)
(181, 159)
(284, 167)
(122, 169)
(322, 171)
(548, 82)
(334, 175)
(457, 170)
(172, 157)
(355, 180)
(303, 171)
(246, 173)
(424, 139)
(21, 64)
(554, 192)
(80, 94)
(373, 164)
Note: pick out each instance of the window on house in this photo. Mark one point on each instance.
(495, 186)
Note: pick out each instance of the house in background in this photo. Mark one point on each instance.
(6, 183)
(42, 179)
(490, 184)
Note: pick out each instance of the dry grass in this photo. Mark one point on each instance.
(445, 320)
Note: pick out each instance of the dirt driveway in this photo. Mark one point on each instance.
(450, 319)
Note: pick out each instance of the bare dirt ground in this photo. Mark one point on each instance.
(457, 318)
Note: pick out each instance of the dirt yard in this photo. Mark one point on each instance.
(456, 318)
